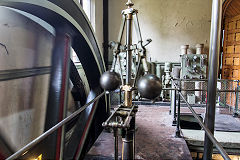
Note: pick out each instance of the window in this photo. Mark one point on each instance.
(86, 4)
(74, 57)
(80, 1)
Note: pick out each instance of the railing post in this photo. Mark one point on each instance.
(178, 134)
(235, 112)
(174, 96)
(225, 93)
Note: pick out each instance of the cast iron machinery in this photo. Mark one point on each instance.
(122, 120)
(70, 137)
(72, 29)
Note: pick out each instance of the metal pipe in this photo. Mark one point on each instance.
(129, 51)
(202, 80)
(207, 131)
(37, 140)
(128, 92)
(214, 51)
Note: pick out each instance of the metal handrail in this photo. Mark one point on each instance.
(202, 80)
(236, 90)
(24, 150)
(207, 131)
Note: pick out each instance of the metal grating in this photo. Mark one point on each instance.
(226, 92)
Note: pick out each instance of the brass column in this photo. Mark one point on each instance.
(128, 139)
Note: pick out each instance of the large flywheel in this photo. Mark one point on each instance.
(65, 26)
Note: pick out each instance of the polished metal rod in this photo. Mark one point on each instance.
(129, 51)
(214, 51)
(110, 117)
(114, 63)
(207, 131)
(51, 130)
(120, 69)
(203, 80)
(200, 90)
(138, 70)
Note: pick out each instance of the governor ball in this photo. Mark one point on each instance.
(149, 86)
(110, 81)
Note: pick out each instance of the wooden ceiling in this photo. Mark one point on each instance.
(231, 8)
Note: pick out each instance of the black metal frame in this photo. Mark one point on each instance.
(105, 32)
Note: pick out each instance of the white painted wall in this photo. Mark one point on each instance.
(169, 23)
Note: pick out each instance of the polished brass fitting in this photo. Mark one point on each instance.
(127, 95)
(129, 16)
(129, 4)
